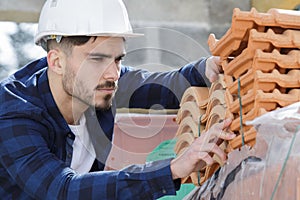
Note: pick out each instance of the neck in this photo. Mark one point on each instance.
(70, 108)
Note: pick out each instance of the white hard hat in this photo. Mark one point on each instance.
(83, 18)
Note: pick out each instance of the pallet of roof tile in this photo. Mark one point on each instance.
(236, 38)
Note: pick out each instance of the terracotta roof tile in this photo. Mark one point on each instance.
(249, 138)
(274, 59)
(188, 125)
(262, 50)
(183, 140)
(233, 42)
(197, 94)
(189, 108)
(205, 108)
(253, 113)
(269, 81)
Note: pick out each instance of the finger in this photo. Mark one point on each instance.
(218, 127)
(212, 148)
(217, 60)
(204, 156)
(213, 68)
(225, 135)
(213, 77)
(217, 64)
(225, 132)
(222, 125)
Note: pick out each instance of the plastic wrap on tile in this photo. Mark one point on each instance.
(268, 170)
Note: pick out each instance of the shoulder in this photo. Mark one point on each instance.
(19, 92)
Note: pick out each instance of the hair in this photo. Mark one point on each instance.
(67, 43)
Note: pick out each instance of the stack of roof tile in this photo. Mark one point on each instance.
(260, 56)
(200, 108)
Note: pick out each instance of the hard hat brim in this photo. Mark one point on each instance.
(39, 37)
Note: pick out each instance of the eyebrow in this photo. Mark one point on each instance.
(105, 55)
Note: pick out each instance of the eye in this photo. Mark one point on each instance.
(118, 59)
(98, 59)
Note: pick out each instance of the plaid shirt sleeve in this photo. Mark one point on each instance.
(143, 89)
(39, 174)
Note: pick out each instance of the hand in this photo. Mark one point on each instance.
(213, 68)
(199, 154)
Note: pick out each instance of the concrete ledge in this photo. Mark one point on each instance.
(265, 5)
(20, 11)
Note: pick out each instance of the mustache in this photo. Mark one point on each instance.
(107, 85)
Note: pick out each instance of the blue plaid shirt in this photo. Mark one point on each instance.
(36, 142)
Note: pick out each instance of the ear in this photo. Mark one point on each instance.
(55, 61)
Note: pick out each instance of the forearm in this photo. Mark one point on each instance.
(33, 171)
(149, 181)
(141, 89)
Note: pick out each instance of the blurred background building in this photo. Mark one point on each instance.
(176, 31)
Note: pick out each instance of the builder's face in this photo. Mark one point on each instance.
(92, 71)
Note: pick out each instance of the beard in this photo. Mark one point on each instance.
(107, 103)
(107, 99)
(77, 88)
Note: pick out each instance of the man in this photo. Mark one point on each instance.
(57, 113)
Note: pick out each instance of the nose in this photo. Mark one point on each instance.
(113, 71)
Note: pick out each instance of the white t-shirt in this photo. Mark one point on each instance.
(83, 151)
